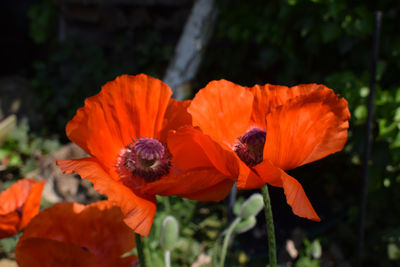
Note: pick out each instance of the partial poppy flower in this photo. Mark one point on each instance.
(268, 129)
(75, 235)
(18, 205)
(126, 130)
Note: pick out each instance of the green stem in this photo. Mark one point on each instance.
(167, 204)
(167, 258)
(226, 240)
(139, 247)
(270, 227)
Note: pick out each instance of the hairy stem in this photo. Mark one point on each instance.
(139, 247)
(167, 258)
(226, 240)
(270, 227)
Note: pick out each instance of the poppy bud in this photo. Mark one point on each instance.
(316, 249)
(245, 225)
(169, 233)
(252, 206)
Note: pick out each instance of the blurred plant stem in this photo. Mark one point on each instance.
(139, 247)
(226, 240)
(167, 258)
(270, 227)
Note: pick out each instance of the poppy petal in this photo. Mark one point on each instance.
(176, 116)
(217, 192)
(297, 198)
(295, 195)
(206, 184)
(128, 107)
(9, 224)
(192, 149)
(222, 110)
(268, 96)
(41, 252)
(15, 197)
(139, 212)
(109, 237)
(256, 177)
(306, 128)
(19, 204)
(32, 203)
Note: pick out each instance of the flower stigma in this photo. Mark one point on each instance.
(145, 157)
(250, 146)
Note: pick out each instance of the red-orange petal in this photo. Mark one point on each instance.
(139, 212)
(306, 128)
(97, 229)
(19, 204)
(214, 193)
(252, 178)
(9, 224)
(176, 116)
(128, 107)
(192, 149)
(202, 170)
(32, 203)
(41, 252)
(295, 195)
(268, 96)
(297, 198)
(207, 184)
(222, 110)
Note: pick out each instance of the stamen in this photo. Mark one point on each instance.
(146, 158)
(250, 146)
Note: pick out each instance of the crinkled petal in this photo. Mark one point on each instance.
(176, 116)
(306, 128)
(222, 110)
(128, 107)
(268, 96)
(139, 212)
(295, 195)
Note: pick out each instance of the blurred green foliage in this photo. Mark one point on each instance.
(20, 152)
(309, 256)
(199, 224)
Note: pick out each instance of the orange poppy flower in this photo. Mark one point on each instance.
(71, 234)
(267, 129)
(18, 205)
(126, 130)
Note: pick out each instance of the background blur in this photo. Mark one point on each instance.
(55, 53)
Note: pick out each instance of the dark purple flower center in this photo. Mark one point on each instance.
(146, 158)
(250, 146)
